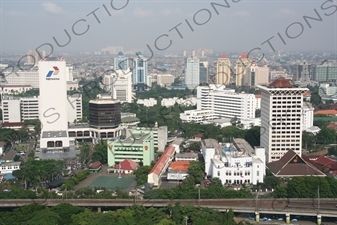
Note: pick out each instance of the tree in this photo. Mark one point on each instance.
(100, 153)
(257, 113)
(332, 150)
(141, 174)
(308, 139)
(194, 146)
(216, 182)
(326, 136)
(252, 136)
(84, 151)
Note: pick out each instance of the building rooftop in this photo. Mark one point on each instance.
(187, 155)
(78, 125)
(181, 166)
(11, 164)
(53, 134)
(243, 146)
(281, 82)
(135, 139)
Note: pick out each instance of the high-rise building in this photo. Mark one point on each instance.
(203, 77)
(241, 69)
(104, 117)
(326, 72)
(184, 53)
(121, 85)
(33, 57)
(192, 72)
(303, 72)
(53, 108)
(256, 75)
(225, 103)
(281, 118)
(223, 74)
(139, 72)
(121, 62)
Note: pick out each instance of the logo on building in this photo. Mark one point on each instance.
(52, 73)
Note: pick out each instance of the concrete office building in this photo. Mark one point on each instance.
(256, 75)
(32, 78)
(139, 72)
(203, 70)
(241, 69)
(138, 147)
(303, 72)
(104, 118)
(121, 62)
(121, 86)
(53, 108)
(165, 79)
(225, 103)
(159, 135)
(192, 72)
(20, 109)
(223, 72)
(281, 117)
(326, 72)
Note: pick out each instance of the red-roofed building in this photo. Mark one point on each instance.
(15, 126)
(327, 112)
(223, 56)
(127, 166)
(323, 163)
(178, 170)
(281, 82)
(154, 177)
(95, 167)
(198, 137)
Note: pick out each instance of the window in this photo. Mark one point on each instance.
(258, 173)
(218, 173)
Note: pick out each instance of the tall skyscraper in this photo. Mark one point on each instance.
(192, 72)
(281, 118)
(184, 53)
(241, 69)
(121, 62)
(203, 78)
(53, 105)
(223, 75)
(139, 72)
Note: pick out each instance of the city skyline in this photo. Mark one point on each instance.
(223, 26)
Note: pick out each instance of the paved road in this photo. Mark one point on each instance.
(276, 206)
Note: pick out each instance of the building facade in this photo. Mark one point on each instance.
(234, 163)
(241, 69)
(192, 72)
(281, 118)
(121, 85)
(138, 147)
(256, 75)
(223, 71)
(53, 108)
(225, 103)
(121, 62)
(139, 72)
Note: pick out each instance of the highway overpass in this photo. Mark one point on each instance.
(308, 207)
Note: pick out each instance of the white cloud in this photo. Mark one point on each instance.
(242, 13)
(169, 12)
(140, 13)
(52, 8)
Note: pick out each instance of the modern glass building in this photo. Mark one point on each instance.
(121, 62)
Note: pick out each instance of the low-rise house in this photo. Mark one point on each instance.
(178, 170)
(9, 167)
(126, 167)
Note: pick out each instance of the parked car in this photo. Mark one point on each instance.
(294, 220)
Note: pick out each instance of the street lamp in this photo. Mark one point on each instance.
(186, 219)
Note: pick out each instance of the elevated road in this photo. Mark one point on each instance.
(308, 207)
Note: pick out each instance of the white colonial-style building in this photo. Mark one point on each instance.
(234, 163)
(9, 167)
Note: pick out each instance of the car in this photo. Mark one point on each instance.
(294, 220)
(264, 219)
(280, 219)
(251, 218)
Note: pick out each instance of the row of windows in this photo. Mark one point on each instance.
(9, 167)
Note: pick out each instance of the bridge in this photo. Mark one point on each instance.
(307, 207)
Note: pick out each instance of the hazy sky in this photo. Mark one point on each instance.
(241, 27)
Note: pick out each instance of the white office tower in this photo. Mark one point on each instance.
(256, 75)
(121, 85)
(226, 103)
(192, 72)
(53, 104)
(121, 62)
(223, 70)
(281, 118)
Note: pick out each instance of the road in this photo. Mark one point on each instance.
(327, 207)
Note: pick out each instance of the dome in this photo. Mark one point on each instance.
(281, 82)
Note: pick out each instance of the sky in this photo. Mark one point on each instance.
(240, 27)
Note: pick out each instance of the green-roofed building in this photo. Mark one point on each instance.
(138, 147)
